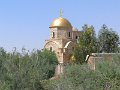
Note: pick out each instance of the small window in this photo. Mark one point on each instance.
(50, 48)
(53, 35)
(69, 34)
(76, 37)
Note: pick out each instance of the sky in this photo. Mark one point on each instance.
(25, 23)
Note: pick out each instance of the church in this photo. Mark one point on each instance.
(63, 38)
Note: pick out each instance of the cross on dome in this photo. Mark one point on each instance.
(61, 12)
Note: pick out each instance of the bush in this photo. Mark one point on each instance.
(80, 77)
(24, 71)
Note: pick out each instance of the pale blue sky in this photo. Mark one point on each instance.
(26, 22)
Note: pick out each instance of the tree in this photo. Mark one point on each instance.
(86, 44)
(108, 40)
(25, 71)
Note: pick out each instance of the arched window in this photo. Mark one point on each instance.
(53, 35)
(76, 37)
(69, 34)
(50, 48)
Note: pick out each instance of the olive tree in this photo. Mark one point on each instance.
(25, 71)
(108, 40)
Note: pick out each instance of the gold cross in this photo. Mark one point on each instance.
(61, 12)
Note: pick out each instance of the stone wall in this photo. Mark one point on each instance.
(96, 57)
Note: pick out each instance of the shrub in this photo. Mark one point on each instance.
(24, 71)
(80, 77)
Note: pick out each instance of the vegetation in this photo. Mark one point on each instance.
(24, 71)
(33, 70)
(80, 77)
(86, 44)
(107, 41)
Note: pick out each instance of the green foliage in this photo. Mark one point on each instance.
(80, 77)
(86, 45)
(24, 71)
(108, 40)
(32, 70)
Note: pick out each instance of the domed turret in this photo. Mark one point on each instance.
(74, 29)
(61, 22)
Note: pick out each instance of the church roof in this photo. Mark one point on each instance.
(60, 22)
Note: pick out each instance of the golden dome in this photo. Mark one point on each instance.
(61, 22)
